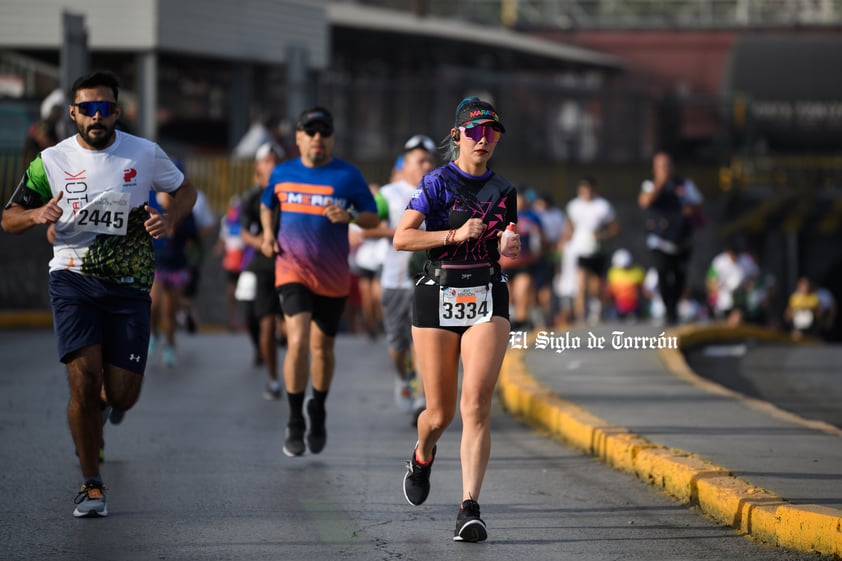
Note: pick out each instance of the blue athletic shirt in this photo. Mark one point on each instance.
(314, 250)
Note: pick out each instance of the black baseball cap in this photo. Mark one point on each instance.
(473, 111)
(315, 115)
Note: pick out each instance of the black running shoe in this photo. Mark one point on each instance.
(469, 526)
(294, 443)
(317, 436)
(416, 482)
(116, 416)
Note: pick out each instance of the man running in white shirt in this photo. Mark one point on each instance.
(94, 186)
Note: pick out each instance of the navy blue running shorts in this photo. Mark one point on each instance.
(425, 308)
(89, 311)
(327, 311)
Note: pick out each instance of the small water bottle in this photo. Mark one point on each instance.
(507, 246)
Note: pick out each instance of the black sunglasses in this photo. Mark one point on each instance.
(320, 128)
(90, 108)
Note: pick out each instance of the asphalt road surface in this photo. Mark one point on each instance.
(805, 380)
(196, 472)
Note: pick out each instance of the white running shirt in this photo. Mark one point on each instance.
(101, 231)
(396, 263)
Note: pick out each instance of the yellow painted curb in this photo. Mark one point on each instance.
(692, 480)
(25, 319)
(22, 319)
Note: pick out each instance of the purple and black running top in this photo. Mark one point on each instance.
(448, 197)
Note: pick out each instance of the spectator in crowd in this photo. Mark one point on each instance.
(552, 222)
(727, 283)
(653, 303)
(625, 285)
(398, 282)
(803, 312)
(757, 296)
(760, 290)
(827, 311)
(232, 248)
(523, 269)
(672, 204)
(48, 129)
(205, 221)
(367, 265)
(591, 221)
(263, 307)
(172, 274)
(565, 282)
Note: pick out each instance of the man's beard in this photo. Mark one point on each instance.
(97, 142)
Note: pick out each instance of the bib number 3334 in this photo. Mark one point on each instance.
(465, 306)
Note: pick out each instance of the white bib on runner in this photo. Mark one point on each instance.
(465, 306)
(108, 213)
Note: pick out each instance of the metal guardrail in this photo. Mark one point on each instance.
(220, 178)
(816, 173)
(791, 192)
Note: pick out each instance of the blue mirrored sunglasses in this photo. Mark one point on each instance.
(476, 133)
(90, 108)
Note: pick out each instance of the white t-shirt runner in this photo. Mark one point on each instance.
(588, 217)
(101, 232)
(396, 263)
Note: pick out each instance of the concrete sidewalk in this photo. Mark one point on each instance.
(771, 475)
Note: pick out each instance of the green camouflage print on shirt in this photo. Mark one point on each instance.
(127, 260)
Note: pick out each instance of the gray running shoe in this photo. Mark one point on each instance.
(272, 393)
(469, 526)
(294, 443)
(317, 436)
(90, 502)
(403, 395)
(416, 481)
(169, 357)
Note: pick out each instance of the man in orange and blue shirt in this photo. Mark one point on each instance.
(318, 196)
